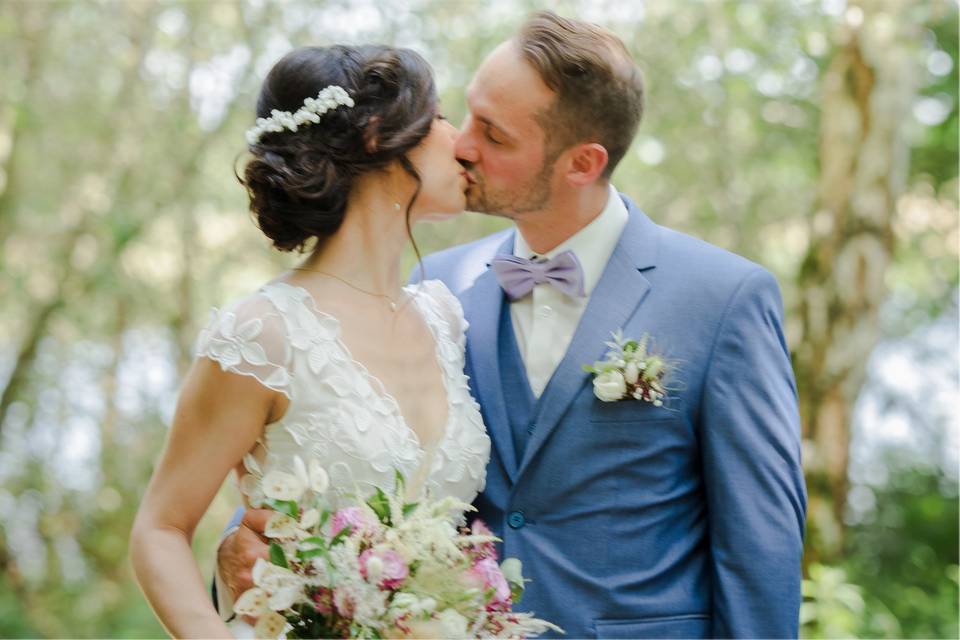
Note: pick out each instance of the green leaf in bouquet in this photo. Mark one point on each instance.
(315, 540)
(287, 507)
(307, 554)
(512, 570)
(381, 506)
(410, 508)
(516, 593)
(343, 533)
(277, 556)
(588, 368)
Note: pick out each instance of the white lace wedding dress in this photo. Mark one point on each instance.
(339, 414)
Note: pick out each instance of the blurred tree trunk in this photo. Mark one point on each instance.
(31, 21)
(868, 89)
(45, 310)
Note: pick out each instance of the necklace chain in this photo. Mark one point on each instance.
(393, 303)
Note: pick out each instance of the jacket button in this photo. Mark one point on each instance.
(516, 520)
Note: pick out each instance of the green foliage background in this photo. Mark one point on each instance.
(121, 224)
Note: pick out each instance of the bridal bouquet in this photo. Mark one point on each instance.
(380, 568)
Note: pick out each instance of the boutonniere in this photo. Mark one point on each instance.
(630, 370)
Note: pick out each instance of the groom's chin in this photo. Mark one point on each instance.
(478, 205)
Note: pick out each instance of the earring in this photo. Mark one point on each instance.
(396, 206)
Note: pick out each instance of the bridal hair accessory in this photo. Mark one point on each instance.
(329, 98)
(630, 370)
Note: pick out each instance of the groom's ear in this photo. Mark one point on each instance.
(585, 163)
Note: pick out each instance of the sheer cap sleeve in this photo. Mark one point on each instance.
(249, 338)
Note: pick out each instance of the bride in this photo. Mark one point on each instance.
(331, 361)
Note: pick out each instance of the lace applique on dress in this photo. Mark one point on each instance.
(339, 415)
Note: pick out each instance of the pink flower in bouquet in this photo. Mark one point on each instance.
(350, 517)
(323, 600)
(344, 601)
(386, 567)
(486, 574)
(484, 549)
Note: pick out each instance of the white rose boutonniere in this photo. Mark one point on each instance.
(610, 386)
(630, 370)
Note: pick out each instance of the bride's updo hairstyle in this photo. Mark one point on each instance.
(299, 181)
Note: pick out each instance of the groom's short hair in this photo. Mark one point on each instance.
(599, 87)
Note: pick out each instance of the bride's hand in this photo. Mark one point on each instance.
(240, 550)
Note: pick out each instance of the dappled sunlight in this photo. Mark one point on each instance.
(818, 139)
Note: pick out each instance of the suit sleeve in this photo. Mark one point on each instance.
(222, 599)
(756, 497)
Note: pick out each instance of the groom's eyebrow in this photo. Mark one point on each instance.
(491, 123)
(486, 121)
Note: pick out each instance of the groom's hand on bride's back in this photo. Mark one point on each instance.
(240, 550)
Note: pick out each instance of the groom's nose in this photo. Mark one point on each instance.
(465, 148)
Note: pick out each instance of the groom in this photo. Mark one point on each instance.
(633, 520)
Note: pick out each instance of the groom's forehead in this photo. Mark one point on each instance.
(507, 84)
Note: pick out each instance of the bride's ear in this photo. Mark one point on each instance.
(371, 135)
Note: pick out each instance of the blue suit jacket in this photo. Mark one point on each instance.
(639, 521)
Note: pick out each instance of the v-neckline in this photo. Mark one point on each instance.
(376, 385)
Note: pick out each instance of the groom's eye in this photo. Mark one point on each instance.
(489, 134)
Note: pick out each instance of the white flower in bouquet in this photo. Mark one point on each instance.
(512, 570)
(319, 480)
(280, 525)
(284, 586)
(252, 603)
(309, 519)
(380, 568)
(279, 485)
(270, 625)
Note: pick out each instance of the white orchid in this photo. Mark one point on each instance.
(319, 479)
(280, 485)
(309, 519)
(282, 526)
(252, 602)
(270, 625)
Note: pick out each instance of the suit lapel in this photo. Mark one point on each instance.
(482, 306)
(612, 303)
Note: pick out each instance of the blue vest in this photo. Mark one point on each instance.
(521, 403)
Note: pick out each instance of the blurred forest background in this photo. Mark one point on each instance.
(818, 138)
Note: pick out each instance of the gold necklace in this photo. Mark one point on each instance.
(393, 303)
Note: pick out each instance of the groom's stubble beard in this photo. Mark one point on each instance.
(532, 196)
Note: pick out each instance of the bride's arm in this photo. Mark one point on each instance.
(219, 417)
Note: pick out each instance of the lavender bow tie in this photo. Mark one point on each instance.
(518, 276)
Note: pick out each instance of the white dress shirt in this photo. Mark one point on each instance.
(544, 321)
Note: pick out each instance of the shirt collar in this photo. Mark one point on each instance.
(593, 244)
